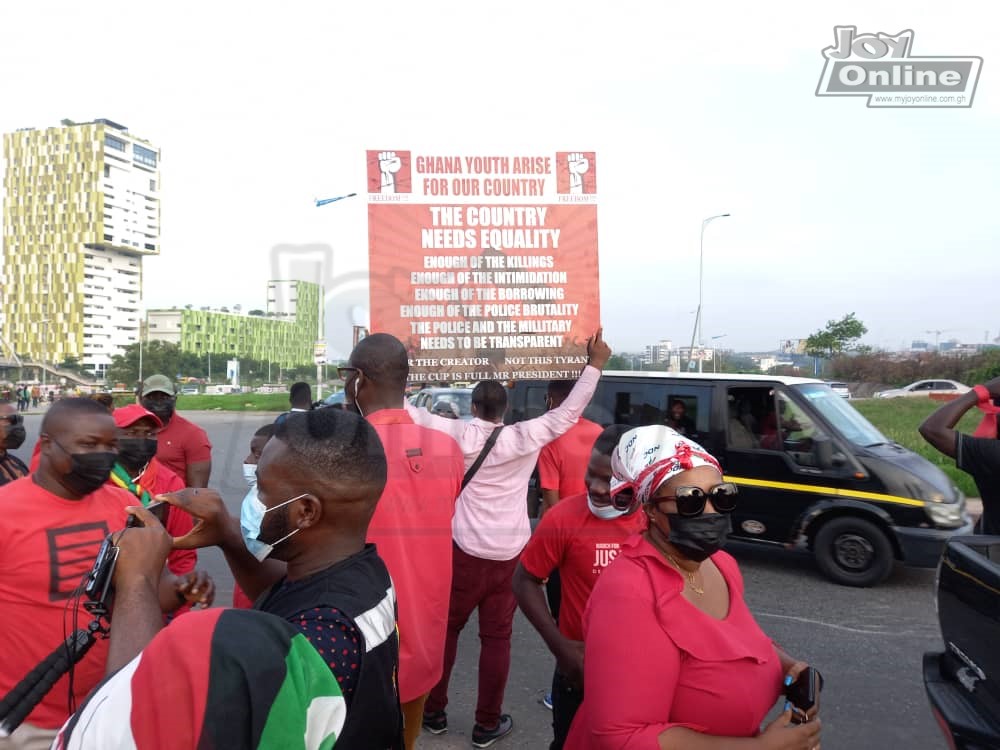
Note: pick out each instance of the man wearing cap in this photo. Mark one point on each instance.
(138, 471)
(182, 446)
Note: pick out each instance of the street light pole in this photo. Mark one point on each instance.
(322, 302)
(701, 279)
(714, 357)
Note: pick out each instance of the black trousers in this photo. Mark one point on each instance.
(565, 703)
(553, 593)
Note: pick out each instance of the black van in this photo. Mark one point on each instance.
(812, 471)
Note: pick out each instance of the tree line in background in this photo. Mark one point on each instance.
(883, 367)
(167, 359)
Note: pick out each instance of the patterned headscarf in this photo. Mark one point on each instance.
(646, 457)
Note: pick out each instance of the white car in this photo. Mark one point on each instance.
(926, 388)
(839, 388)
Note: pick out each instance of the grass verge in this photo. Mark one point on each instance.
(899, 418)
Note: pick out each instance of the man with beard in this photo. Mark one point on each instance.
(11, 437)
(298, 551)
(182, 445)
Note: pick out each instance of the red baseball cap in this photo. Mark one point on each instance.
(126, 416)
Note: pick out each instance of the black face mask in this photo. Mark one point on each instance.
(135, 453)
(15, 437)
(88, 471)
(699, 537)
(164, 410)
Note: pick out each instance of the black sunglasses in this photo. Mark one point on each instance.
(344, 372)
(691, 500)
(13, 419)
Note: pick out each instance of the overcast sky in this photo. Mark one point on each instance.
(702, 109)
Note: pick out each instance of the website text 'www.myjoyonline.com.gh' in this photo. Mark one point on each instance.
(918, 99)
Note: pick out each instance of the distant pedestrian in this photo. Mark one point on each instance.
(36, 393)
(300, 398)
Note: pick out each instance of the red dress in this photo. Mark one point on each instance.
(654, 661)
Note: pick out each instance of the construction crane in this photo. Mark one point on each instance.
(937, 337)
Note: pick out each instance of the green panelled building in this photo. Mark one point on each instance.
(285, 335)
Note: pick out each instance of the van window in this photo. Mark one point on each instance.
(764, 418)
(638, 403)
(842, 416)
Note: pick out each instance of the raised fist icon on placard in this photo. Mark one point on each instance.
(388, 165)
(576, 164)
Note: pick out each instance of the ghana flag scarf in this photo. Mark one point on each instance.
(221, 678)
(122, 479)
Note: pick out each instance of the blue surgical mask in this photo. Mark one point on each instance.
(252, 516)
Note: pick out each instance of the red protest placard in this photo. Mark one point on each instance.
(485, 267)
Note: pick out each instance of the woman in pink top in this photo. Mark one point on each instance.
(673, 657)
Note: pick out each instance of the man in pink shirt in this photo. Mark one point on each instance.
(412, 522)
(490, 528)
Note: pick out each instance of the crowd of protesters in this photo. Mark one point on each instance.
(368, 536)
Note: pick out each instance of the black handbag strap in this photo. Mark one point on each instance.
(490, 442)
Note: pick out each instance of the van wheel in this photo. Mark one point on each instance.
(853, 552)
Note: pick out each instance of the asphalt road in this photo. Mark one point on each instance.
(867, 642)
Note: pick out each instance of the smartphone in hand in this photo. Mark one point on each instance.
(158, 509)
(803, 694)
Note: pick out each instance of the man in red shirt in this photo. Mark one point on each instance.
(412, 522)
(579, 537)
(182, 445)
(562, 465)
(52, 524)
(563, 462)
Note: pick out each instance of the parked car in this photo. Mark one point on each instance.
(812, 472)
(460, 398)
(839, 388)
(335, 399)
(925, 388)
(962, 680)
(189, 390)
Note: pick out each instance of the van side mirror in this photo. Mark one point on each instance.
(823, 450)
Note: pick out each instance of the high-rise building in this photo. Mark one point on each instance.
(82, 208)
(285, 335)
(657, 353)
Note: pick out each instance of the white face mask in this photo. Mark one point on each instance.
(250, 474)
(604, 512)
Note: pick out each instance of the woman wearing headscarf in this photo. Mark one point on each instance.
(673, 657)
